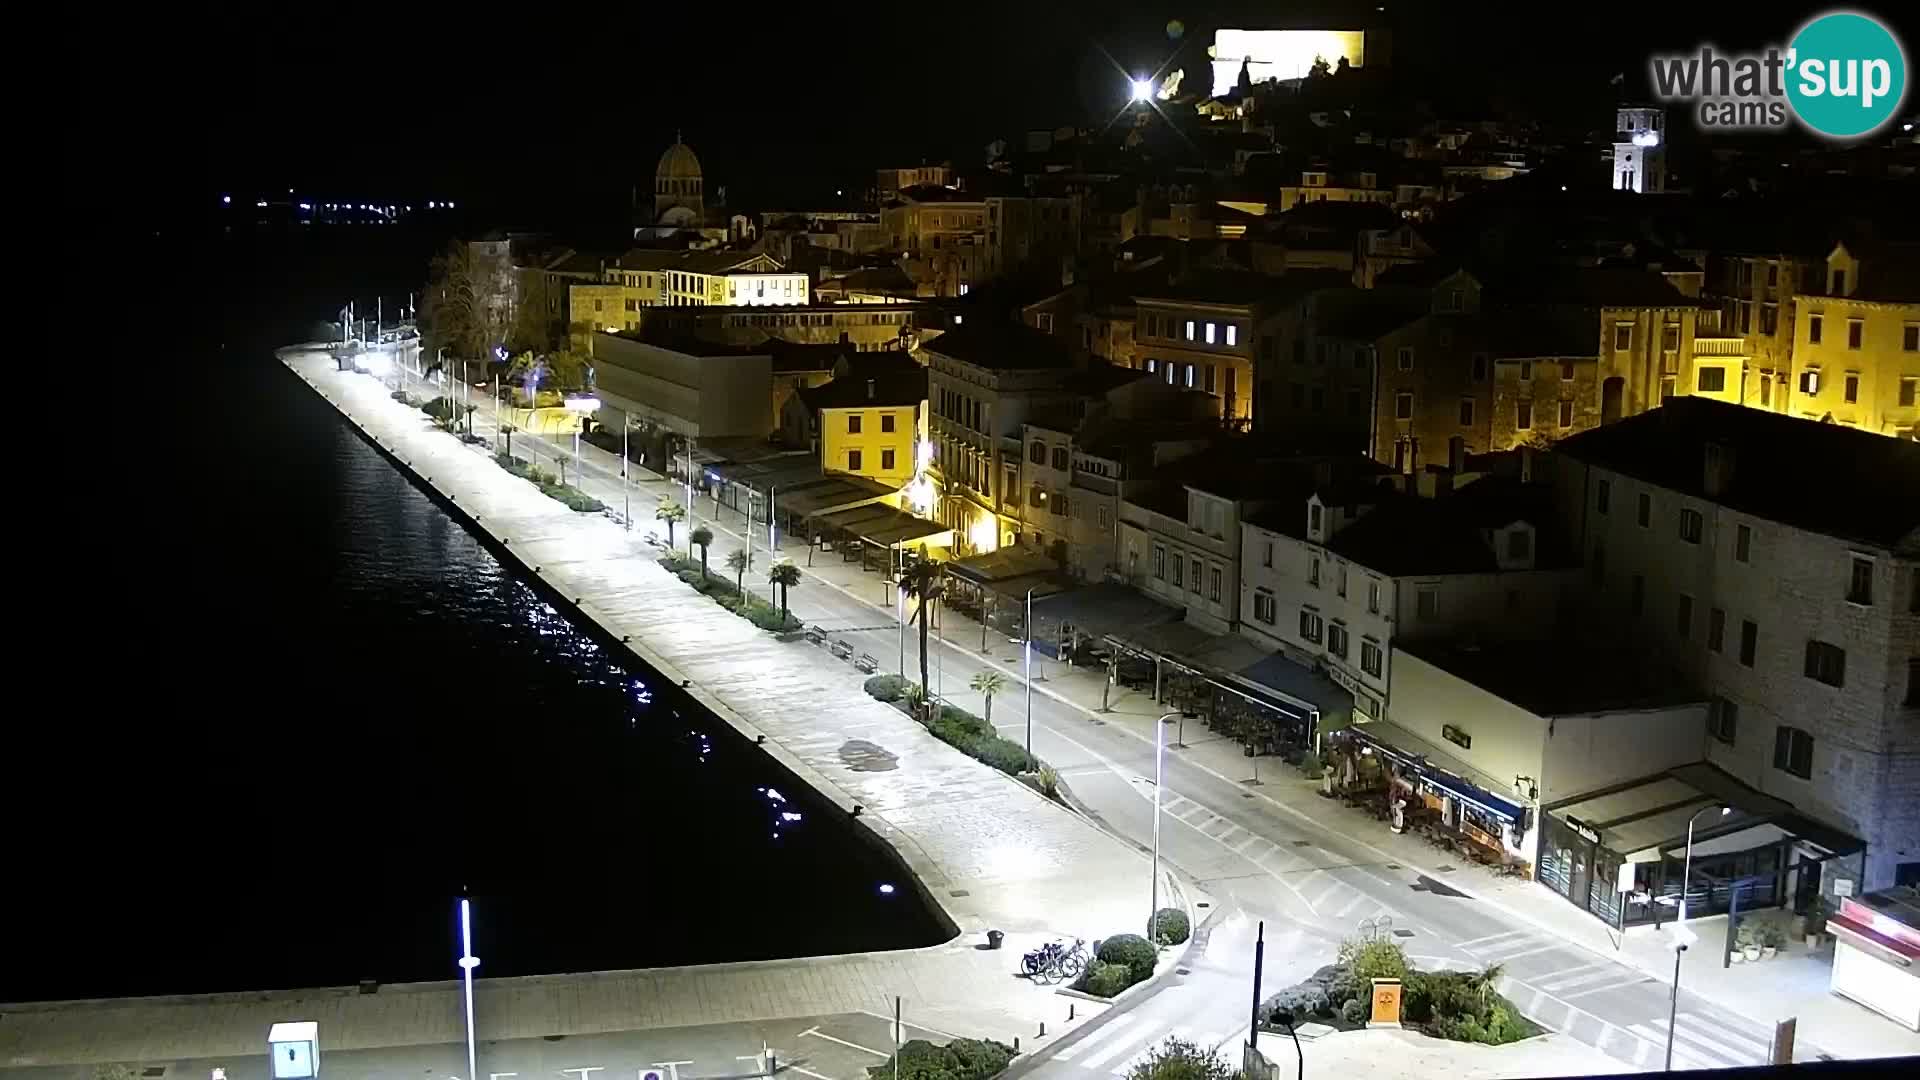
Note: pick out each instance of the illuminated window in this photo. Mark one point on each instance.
(1712, 380)
(1263, 606)
(1210, 333)
(1233, 335)
(1189, 329)
(1810, 381)
(1373, 597)
(1337, 640)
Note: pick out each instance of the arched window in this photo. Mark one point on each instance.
(1037, 453)
(1060, 458)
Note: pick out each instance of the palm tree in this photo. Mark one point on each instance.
(988, 683)
(670, 512)
(700, 537)
(737, 562)
(925, 581)
(786, 576)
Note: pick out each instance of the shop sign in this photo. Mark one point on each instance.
(1457, 737)
(1587, 832)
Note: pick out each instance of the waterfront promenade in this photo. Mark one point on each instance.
(988, 850)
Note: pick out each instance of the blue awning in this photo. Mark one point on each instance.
(1472, 795)
(1385, 749)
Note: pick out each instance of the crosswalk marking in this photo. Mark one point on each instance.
(1694, 1029)
(1106, 1032)
(1107, 1053)
(1682, 1054)
(1145, 1052)
(1585, 975)
(1472, 942)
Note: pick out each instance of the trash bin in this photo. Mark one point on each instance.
(994, 938)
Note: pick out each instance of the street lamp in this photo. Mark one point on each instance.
(1140, 90)
(468, 962)
(1026, 647)
(1159, 775)
(1682, 937)
(1286, 1018)
(585, 406)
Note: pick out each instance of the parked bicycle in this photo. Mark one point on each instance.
(1055, 961)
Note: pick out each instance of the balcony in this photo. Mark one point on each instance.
(1719, 346)
(1105, 485)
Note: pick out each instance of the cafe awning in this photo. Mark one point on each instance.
(991, 568)
(884, 526)
(1438, 769)
(1646, 819)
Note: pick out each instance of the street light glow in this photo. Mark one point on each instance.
(1142, 89)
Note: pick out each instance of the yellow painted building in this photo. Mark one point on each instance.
(872, 422)
(645, 278)
(1856, 350)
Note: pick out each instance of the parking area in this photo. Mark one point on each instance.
(836, 1047)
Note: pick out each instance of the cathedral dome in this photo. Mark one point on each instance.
(678, 163)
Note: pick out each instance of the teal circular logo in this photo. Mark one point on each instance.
(1848, 74)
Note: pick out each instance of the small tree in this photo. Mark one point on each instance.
(925, 581)
(669, 512)
(1178, 1059)
(785, 575)
(737, 562)
(987, 684)
(701, 537)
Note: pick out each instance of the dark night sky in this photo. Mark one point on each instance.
(573, 102)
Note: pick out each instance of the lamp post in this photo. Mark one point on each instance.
(1159, 776)
(1026, 647)
(626, 462)
(585, 407)
(1682, 937)
(1287, 1019)
(468, 962)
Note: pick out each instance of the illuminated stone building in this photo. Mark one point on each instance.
(1856, 343)
(1640, 150)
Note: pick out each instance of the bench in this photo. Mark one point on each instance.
(867, 663)
(816, 634)
(841, 649)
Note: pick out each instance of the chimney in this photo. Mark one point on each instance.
(870, 386)
(1719, 470)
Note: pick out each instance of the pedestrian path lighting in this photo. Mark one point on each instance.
(584, 407)
(1159, 778)
(468, 962)
(1683, 937)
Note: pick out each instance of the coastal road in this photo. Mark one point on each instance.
(1258, 858)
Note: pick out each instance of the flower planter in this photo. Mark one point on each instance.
(1753, 953)
(1766, 952)
(1737, 956)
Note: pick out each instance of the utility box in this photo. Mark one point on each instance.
(294, 1049)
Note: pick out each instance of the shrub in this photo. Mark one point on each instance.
(1170, 926)
(1354, 1011)
(961, 1059)
(691, 577)
(1369, 960)
(886, 687)
(1003, 754)
(1107, 980)
(1131, 950)
(1310, 766)
(1178, 1059)
(1047, 781)
(439, 408)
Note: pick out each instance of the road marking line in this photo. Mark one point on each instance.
(1682, 1053)
(1625, 981)
(1490, 937)
(1241, 848)
(1358, 899)
(1589, 977)
(1112, 1028)
(818, 1034)
(804, 1071)
(908, 1023)
(1108, 1052)
(1734, 1051)
(1146, 1051)
(1188, 820)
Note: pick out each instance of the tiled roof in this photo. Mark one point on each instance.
(1406, 535)
(691, 262)
(895, 389)
(1822, 477)
(1554, 678)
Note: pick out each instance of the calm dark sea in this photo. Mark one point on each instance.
(300, 709)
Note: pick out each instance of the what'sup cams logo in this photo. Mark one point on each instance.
(1843, 76)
